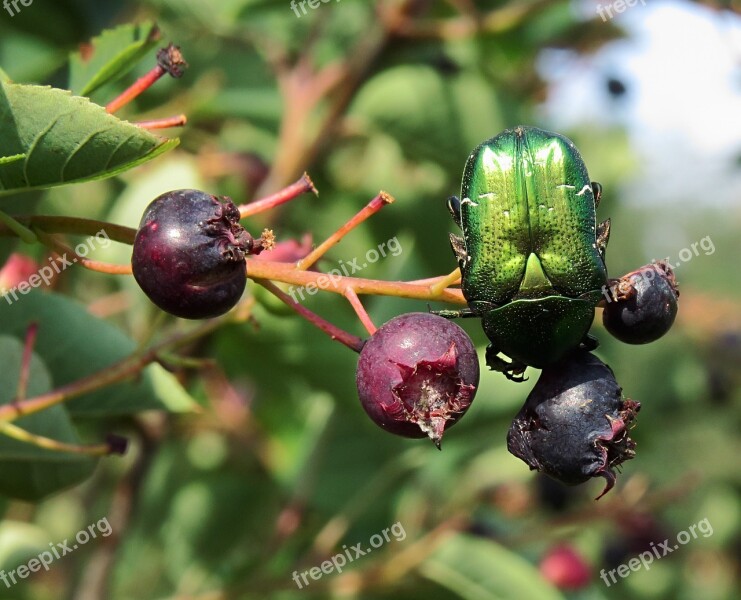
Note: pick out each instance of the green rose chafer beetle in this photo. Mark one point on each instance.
(532, 255)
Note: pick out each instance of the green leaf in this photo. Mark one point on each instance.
(75, 344)
(66, 139)
(4, 77)
(480, 569)
(30, 472)
(110, 56)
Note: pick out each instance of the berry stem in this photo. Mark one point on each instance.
(176, 121)
(293, 191)
(40, 441)
(25, 370)
(360, 310)
(429, 281)
(137, 88)
(73, 225)
(287, 273)
(128, 367)
(18, 228)
(349, 340)
(368, 211)
(55, 244)
(257, 269)
(169, 60)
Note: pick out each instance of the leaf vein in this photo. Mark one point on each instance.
(116, 149)
(36, 140)
(79, 147)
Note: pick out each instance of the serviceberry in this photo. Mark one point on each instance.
(643, 304)
(574, 424)
(189, 254)
(417, 375)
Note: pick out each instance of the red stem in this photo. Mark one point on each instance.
(368, 211)
(351, 341)
(287, 194)
(360, 310)
(176, 121)
(25, 371)
(138, 87)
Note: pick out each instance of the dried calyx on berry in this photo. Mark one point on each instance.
(642, 304)
(417, 375)
(189, 253)
(574, 424)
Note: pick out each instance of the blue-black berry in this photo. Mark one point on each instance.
(189, 254)
(574, 424)
(642, 305)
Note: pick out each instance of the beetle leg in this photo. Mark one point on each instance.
(455, 314)
(481, 307)
(475, 309)
(516, 376)
(459, 249)
(597, 191)
(454, 206)
(512, 370)
(589, 343)
(603, 236)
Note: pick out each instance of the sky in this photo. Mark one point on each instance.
(681, 67)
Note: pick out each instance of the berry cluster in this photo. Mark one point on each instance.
(418, 374)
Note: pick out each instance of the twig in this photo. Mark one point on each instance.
(363, 315)
(349, 340)
(169, 60)
(114, 373)
(17, 433)
(302, 186)
(368, 211)
(287, 273)
(176, 121)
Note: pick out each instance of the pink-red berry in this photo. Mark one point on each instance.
(417, 375)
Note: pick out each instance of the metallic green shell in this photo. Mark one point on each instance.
(539, 332)
(527, 192)
(532, 267)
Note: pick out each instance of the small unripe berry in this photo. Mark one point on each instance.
(644, 304)
(417, 375)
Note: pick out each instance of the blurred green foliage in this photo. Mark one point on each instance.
(281, 468)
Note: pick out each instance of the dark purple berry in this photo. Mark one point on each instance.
(189, 254)
(642, 305)
(417, 375)
(574, 424)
